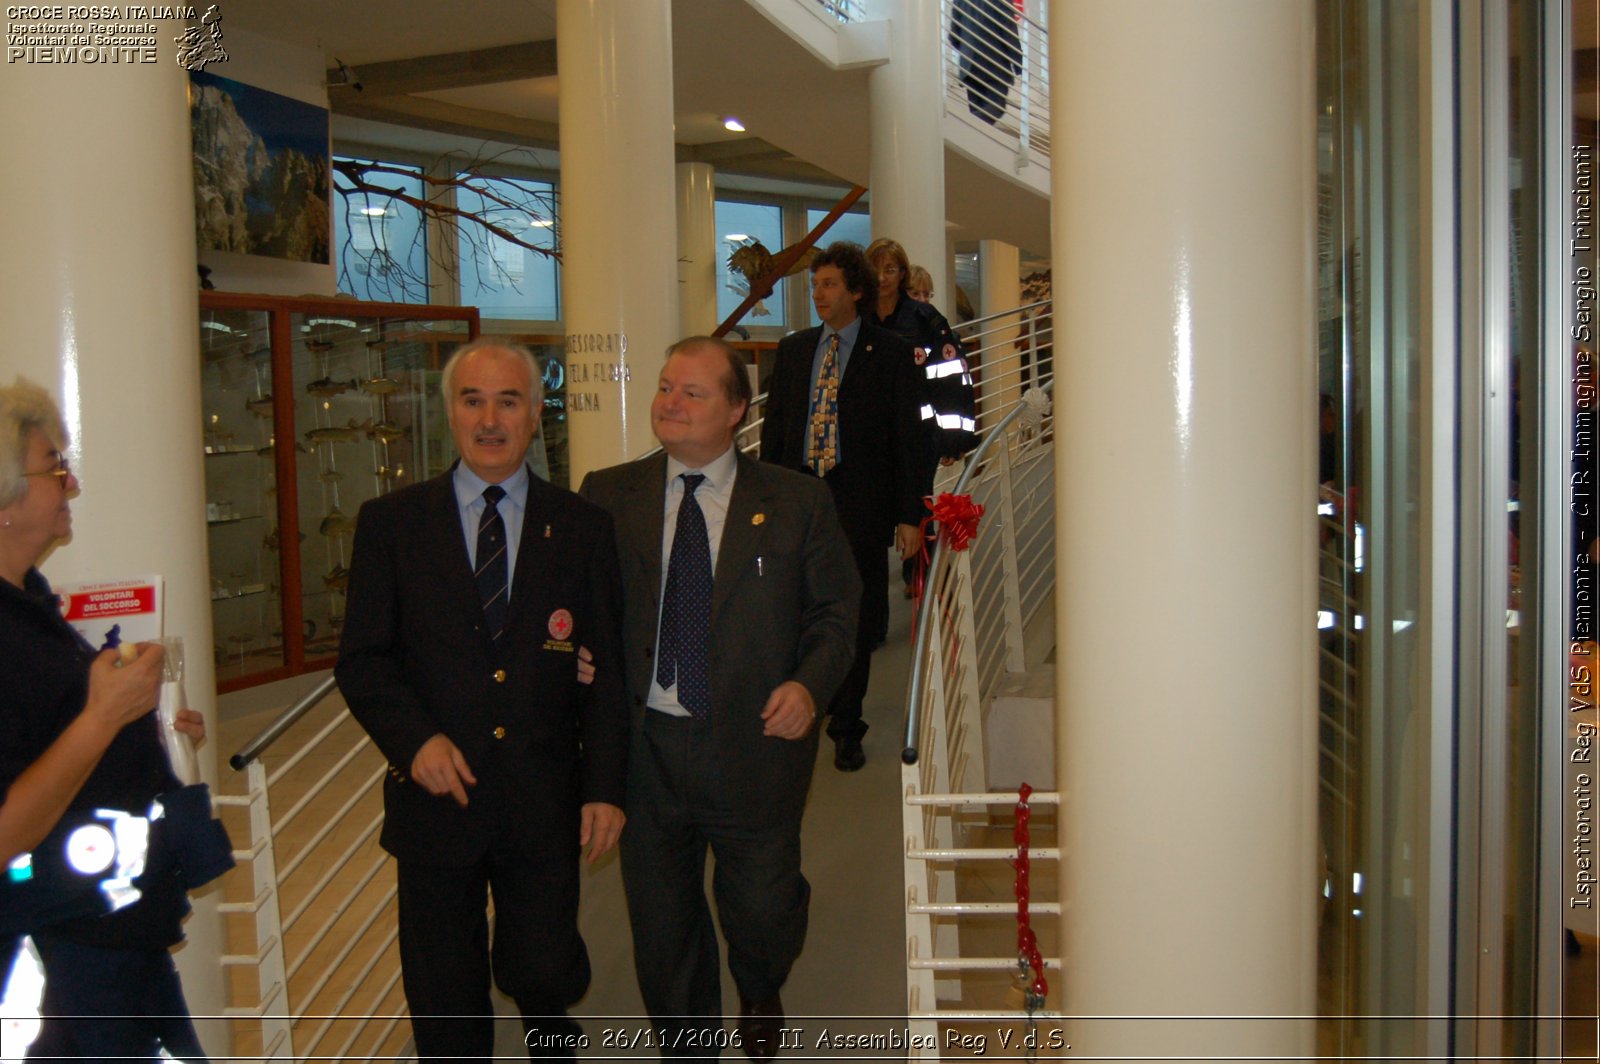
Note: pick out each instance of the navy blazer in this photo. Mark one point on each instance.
(415, 660)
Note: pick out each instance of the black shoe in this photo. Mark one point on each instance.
(848, 755)
(761, 1026)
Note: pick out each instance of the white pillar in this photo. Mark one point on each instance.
(945, 298)
(906, 160)
(100, 300)
(619, 278)
(1000, 275)
(697, 248)
(999, 289)
(1186, 474)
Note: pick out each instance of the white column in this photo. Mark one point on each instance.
(1000, 277)
(945, 298)
(619, 277)
(906, 160)
(999, 290)
(100, 301)
(697, 248)
(1186, 473)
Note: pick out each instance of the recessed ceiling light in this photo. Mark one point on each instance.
(736, 238)
(374, 212)
(732, 125)
(540, 223)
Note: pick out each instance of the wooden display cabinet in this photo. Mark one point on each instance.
(339, 399)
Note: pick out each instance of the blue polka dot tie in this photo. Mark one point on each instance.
(683, 656)
(493, 574)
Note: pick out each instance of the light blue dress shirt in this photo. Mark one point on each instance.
(469, 500)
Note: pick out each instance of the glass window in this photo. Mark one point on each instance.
(380, 240)
(1375, 711)
(745, 225)
(855, 227)
(508, 278)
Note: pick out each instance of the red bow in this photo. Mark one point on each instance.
(958, 518)
(958, 525)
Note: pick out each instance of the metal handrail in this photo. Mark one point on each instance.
(272, 732)
(967, 329)
(908, 754)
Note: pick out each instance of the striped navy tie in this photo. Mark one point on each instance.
(493, 574)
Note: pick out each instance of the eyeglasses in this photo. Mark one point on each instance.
(62, 469)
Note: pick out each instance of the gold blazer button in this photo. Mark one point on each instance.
(499, 733)
(499, 676)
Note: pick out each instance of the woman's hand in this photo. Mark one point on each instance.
(119, 695)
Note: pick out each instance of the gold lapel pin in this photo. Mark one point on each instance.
(546, 531)
(758, 519)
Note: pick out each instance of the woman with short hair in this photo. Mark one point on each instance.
(79, 738)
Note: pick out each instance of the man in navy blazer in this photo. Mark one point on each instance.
(732, 772)
(501, 764)
(875, 468)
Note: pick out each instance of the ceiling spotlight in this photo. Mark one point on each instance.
(540, 223)
(732, 125)
(736, 238)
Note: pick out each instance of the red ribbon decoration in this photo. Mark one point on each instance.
(957, 516)
(1027, 942)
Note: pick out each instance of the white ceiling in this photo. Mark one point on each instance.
(806, 124)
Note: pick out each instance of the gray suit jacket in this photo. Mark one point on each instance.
(784, 602)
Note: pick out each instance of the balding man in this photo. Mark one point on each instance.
(739, 625)
(468, 596)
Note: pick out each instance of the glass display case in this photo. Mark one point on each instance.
(338, 399)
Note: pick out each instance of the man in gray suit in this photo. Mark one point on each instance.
(740, 598)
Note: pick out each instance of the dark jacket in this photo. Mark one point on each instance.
(783, 607)
(415, 661)
(948, 408)
(881, 480)
(44, 684)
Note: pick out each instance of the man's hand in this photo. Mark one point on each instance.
(907, 540)
(440, 769)
(600, 828)
(585, 665)
(192, 724)
(790, 711)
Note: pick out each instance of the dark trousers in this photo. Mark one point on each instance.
(932, 451)
(869, 545)
(108, 1004)
(678, 806)
(538, 958)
